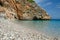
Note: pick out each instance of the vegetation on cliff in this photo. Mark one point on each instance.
(31, 1)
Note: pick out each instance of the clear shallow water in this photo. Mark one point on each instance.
(49, 27)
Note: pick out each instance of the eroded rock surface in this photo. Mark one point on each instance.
(22, 9)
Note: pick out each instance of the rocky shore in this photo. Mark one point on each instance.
(10, 10)
(9, 30)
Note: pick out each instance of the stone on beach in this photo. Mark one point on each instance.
(9, 30)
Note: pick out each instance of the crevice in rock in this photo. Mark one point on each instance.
(35, 18)
(1, 4)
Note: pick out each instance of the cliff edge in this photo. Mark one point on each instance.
(22, 10)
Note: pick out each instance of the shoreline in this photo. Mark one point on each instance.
(12, 31)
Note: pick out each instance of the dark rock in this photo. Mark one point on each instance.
(55, 38)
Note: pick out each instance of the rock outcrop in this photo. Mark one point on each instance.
(22, 10)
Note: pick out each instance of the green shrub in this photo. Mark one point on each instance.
(31, 1)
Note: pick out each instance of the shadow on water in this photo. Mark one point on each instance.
(34, 24)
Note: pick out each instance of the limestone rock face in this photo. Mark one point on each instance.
(22, 10)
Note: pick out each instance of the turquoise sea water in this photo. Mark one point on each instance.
(48, 27)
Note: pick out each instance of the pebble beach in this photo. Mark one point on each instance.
(9, 30)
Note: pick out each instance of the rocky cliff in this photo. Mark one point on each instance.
(22, 10)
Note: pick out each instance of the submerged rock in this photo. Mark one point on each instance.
(23, 10)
